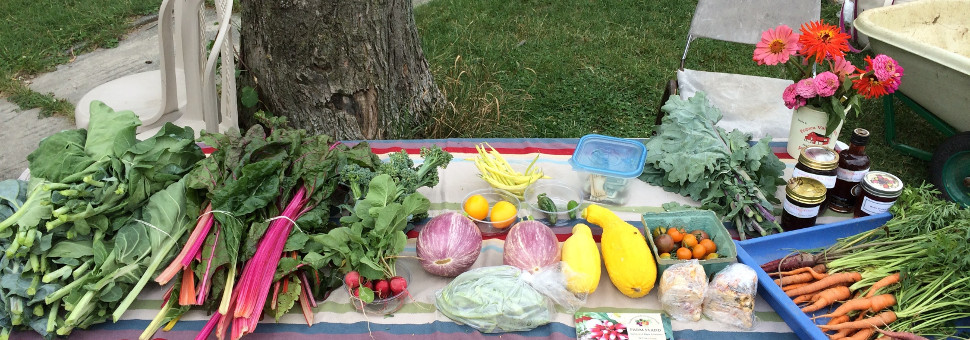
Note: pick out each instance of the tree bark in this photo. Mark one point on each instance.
(352, 69)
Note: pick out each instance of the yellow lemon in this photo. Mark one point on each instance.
(503, 214)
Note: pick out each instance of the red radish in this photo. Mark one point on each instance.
(398, 284)
(355, 291)
(369, 284)
(383, 289)
(352, 279)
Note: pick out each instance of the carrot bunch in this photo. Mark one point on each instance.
(814, 289)
(908, 277)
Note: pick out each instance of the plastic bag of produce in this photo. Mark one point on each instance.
(682, 288)
(506, 299)
(730, 296)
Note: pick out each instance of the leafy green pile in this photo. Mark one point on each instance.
(373, 234)
(250, 182)
(693, 157)
(399, 166)
(101, 206)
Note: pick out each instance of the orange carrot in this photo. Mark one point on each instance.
(886, 281)
(873, 304)
(797, 278)
(818, 269)
(816, 274)
(879, 320)
(803, 298)
(843, 333)
(862, 334)
(828, 281)
(793, 286)
(828, 297)
(838, 320)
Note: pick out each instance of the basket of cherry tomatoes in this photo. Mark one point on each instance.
(678, 236)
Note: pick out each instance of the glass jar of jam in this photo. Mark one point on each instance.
(819, 163)
(879, 192)
(853, 165)
(803, 199)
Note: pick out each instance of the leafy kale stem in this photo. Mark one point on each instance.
(740, 226)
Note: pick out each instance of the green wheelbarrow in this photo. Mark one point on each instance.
(930, 40)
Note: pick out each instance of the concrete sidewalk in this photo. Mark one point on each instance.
(23, 130)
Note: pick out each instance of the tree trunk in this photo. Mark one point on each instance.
(352, 69)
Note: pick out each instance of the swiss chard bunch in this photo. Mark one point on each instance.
(101, 206)
(693, 157)
(268, 190)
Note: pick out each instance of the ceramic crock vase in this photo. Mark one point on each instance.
(808, 129)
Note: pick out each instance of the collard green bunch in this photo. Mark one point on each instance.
(100, 208)
(693, 157)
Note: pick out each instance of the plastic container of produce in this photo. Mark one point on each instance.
(605, 166)
(704, 220)
(560, 194)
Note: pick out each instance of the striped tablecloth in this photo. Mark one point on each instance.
(336, 317)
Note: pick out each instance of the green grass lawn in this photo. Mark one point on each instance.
(36, 36)
(538, 68)
(529, 68)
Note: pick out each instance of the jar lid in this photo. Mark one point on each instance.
(805, 190)
(819, 157)
(859, 137)
(882, 184)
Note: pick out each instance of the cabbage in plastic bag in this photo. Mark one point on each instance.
(506, 299)
(730, 296)
(682, 288)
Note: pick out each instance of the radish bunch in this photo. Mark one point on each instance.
(368, 290)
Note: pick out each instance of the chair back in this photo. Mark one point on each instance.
(742, 21)
(182, 43)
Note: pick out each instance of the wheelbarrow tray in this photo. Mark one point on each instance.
(931, 41)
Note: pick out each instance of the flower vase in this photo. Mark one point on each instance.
(808, 129)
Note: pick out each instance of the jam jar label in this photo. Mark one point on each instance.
(827, 181)
(851, 176)
(801, 212)
(872, 207)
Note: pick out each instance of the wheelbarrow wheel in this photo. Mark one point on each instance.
(950, 168)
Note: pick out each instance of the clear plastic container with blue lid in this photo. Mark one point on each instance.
(605, 165)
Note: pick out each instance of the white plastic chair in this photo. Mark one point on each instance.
(184, 89)
(750, 104)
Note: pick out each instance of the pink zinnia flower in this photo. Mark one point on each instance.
(790, 97)
(805, 88)
(609, 331)
(826, 83)
(842, 67)
(886, 68)
(776, 46)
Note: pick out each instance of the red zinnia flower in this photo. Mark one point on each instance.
(870, 86)
(820, 41)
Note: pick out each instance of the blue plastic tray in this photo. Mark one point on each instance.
(756, 251)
